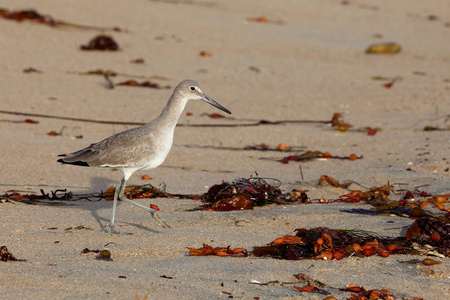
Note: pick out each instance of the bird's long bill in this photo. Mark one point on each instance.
(214, 103)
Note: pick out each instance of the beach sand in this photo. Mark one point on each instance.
(306, 63)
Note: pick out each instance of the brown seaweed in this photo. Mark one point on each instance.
(218, 251)
(247, 193)
(312, 155)
(146, 83)
(34, 16)
(102, 43)
(61, 196)
(325, 243)
(5, 255)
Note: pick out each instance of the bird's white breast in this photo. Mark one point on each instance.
(159, 156)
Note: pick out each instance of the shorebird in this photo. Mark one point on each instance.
(141, 148)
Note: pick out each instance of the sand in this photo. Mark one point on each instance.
(306, 63)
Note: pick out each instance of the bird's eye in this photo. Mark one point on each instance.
(192, 88)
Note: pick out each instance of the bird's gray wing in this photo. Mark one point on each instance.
(125, 149)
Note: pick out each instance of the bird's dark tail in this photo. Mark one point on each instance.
(76, 163)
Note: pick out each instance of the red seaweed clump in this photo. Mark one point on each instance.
(247, 193)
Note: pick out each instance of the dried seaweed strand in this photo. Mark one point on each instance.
(246, 148)
(256, 123)
(62, 196)
(33, 16)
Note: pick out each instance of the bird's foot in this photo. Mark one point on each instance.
(160, 220)
(111, 229)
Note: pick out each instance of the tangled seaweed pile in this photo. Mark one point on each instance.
(247, 193)
(325, 243)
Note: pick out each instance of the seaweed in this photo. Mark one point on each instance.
(5, 255)
(34, 16)
(247, 193)
(146, 83)
(326, 243)
(218, 251)
(62, 196)
(317, 155)
(101, 42)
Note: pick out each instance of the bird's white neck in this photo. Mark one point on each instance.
(172, 111)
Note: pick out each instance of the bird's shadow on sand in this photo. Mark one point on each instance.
(99, 184)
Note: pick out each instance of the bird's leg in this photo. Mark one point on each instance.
(119, 189)
(150, 210)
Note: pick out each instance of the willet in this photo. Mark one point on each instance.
(141, 148)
